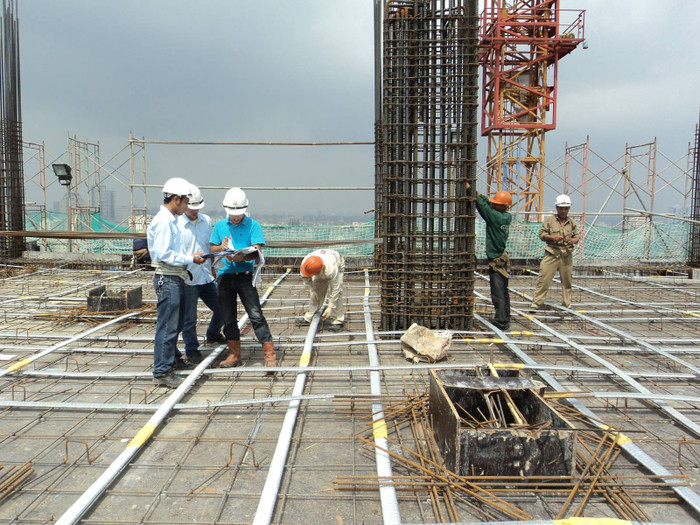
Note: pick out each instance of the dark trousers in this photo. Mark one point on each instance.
(232, 285)
(500, 298)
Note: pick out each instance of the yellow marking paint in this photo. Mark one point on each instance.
(304, 359)
(518, 366)
(692, 313)
(144, 434)
(366, 291)
(581, 311)
(269, 290)
(18, 365)
(379, 429)
(621, 439)
(591, 521)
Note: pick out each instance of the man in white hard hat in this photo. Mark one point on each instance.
(235, 277)
(322, 273)
(170, 259)
(561, 235)
(196, 228)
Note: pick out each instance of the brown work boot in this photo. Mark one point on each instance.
(270, 359)
(234, 355)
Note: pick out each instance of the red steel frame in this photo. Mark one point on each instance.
(521, 43)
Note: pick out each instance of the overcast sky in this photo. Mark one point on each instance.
(302, 71)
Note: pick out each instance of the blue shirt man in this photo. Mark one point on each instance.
(235, 278)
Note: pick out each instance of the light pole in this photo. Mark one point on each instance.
(62, 171)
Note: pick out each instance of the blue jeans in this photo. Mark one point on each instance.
(171, 314)
(210, 296)
(241, 285)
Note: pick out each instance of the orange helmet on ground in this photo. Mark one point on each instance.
(502, 197)
(311, 266)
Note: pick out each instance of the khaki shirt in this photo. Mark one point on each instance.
(552, 226)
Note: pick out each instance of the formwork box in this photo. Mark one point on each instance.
(545, 449)
(100, 299)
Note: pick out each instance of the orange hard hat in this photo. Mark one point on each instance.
(311, 266)
(502, 197)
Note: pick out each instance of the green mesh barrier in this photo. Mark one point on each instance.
(638, 242)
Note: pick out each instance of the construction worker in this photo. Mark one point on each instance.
(196, 228)
(322, 274)
(498, 220)
(170, 260)
(561, 234)
(235, 277)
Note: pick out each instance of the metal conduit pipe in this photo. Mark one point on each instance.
(268, 497)
(71, 290)
(650, 281)
(620, 333)
(137, 338)
(672, 412)
(140, 407)
(352, 369)
(24, 362)
(86, 500)
(387, 491)
(626, 444)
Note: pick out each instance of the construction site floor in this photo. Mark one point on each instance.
(235, 446)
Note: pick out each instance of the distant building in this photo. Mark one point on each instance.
(107, 204)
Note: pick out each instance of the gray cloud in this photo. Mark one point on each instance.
(303, 71)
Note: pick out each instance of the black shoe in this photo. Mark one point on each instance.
(195, 357)
(167, 380)
(501, 326)
(336, 327)
(218, 340)
(183, 364)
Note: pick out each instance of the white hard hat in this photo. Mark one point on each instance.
(177, 186)
(196, 200)
(563, 201)
(235, 202)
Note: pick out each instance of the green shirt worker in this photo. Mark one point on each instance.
(498, 220)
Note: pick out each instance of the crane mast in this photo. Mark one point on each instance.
(521, 43)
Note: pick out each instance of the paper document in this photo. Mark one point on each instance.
(258, 258)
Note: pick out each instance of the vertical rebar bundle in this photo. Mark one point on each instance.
(11, 169)
(694, 244)
(426, 153)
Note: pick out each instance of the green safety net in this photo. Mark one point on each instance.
(636, 242)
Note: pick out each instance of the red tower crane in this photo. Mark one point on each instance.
(521, 43)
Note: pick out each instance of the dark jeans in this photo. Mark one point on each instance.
(500, 298)
(232, 285)
(209, 296)
(171, 313)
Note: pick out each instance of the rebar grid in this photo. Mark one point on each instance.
(426, 153)
(496, 497)
(185, 465)
(11, 167)
(694, 236)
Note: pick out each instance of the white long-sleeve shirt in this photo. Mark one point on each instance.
(165, 242)
(195, 239)
(331, 276)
